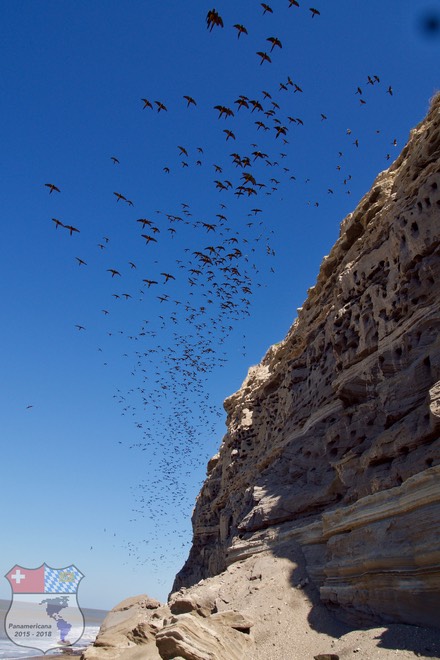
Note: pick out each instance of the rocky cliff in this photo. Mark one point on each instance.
(333, 439)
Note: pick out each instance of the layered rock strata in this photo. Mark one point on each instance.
(333, 439)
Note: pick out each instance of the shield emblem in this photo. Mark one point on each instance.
(44, 611)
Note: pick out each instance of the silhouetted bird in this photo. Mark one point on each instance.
(52, 187)
(190, 100)
(213, 18)
(275, 42)
(264, 57)
(71, 229)
(240, 29)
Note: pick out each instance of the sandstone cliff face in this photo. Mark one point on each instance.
(333, 440)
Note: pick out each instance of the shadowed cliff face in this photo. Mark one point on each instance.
(333, 440)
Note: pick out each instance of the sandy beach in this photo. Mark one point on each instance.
(288, 619)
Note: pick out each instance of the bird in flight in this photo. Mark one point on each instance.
(144, 221)
(190, 100)
(71, 229)
(147, 104)
(160, 106)
(229, 134)
(81, 262)
(80, 327)
(115, 160)
(223, 110)
(119, 196)
(57, 222)
(275, 42)
(240, 29)
(148, 238)
(264, 57)
(266, 8)
(113, 272)
(242, 101)
(213, 18)
(293, 3)
(52, 187)
(315, 12)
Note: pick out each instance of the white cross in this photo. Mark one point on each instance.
(18, 577)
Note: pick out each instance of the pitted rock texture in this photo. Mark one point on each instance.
(333, 440)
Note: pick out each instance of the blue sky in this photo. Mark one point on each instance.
(106, 430)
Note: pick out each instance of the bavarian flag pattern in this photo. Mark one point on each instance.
(61, 580)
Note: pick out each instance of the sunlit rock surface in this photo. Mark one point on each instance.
(333, 439)
(191, 627)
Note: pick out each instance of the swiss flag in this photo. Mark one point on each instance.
(26, 580)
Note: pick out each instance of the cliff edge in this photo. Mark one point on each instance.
(333, 439)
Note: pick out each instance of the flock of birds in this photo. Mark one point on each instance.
(213, 18)
(191, 278)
